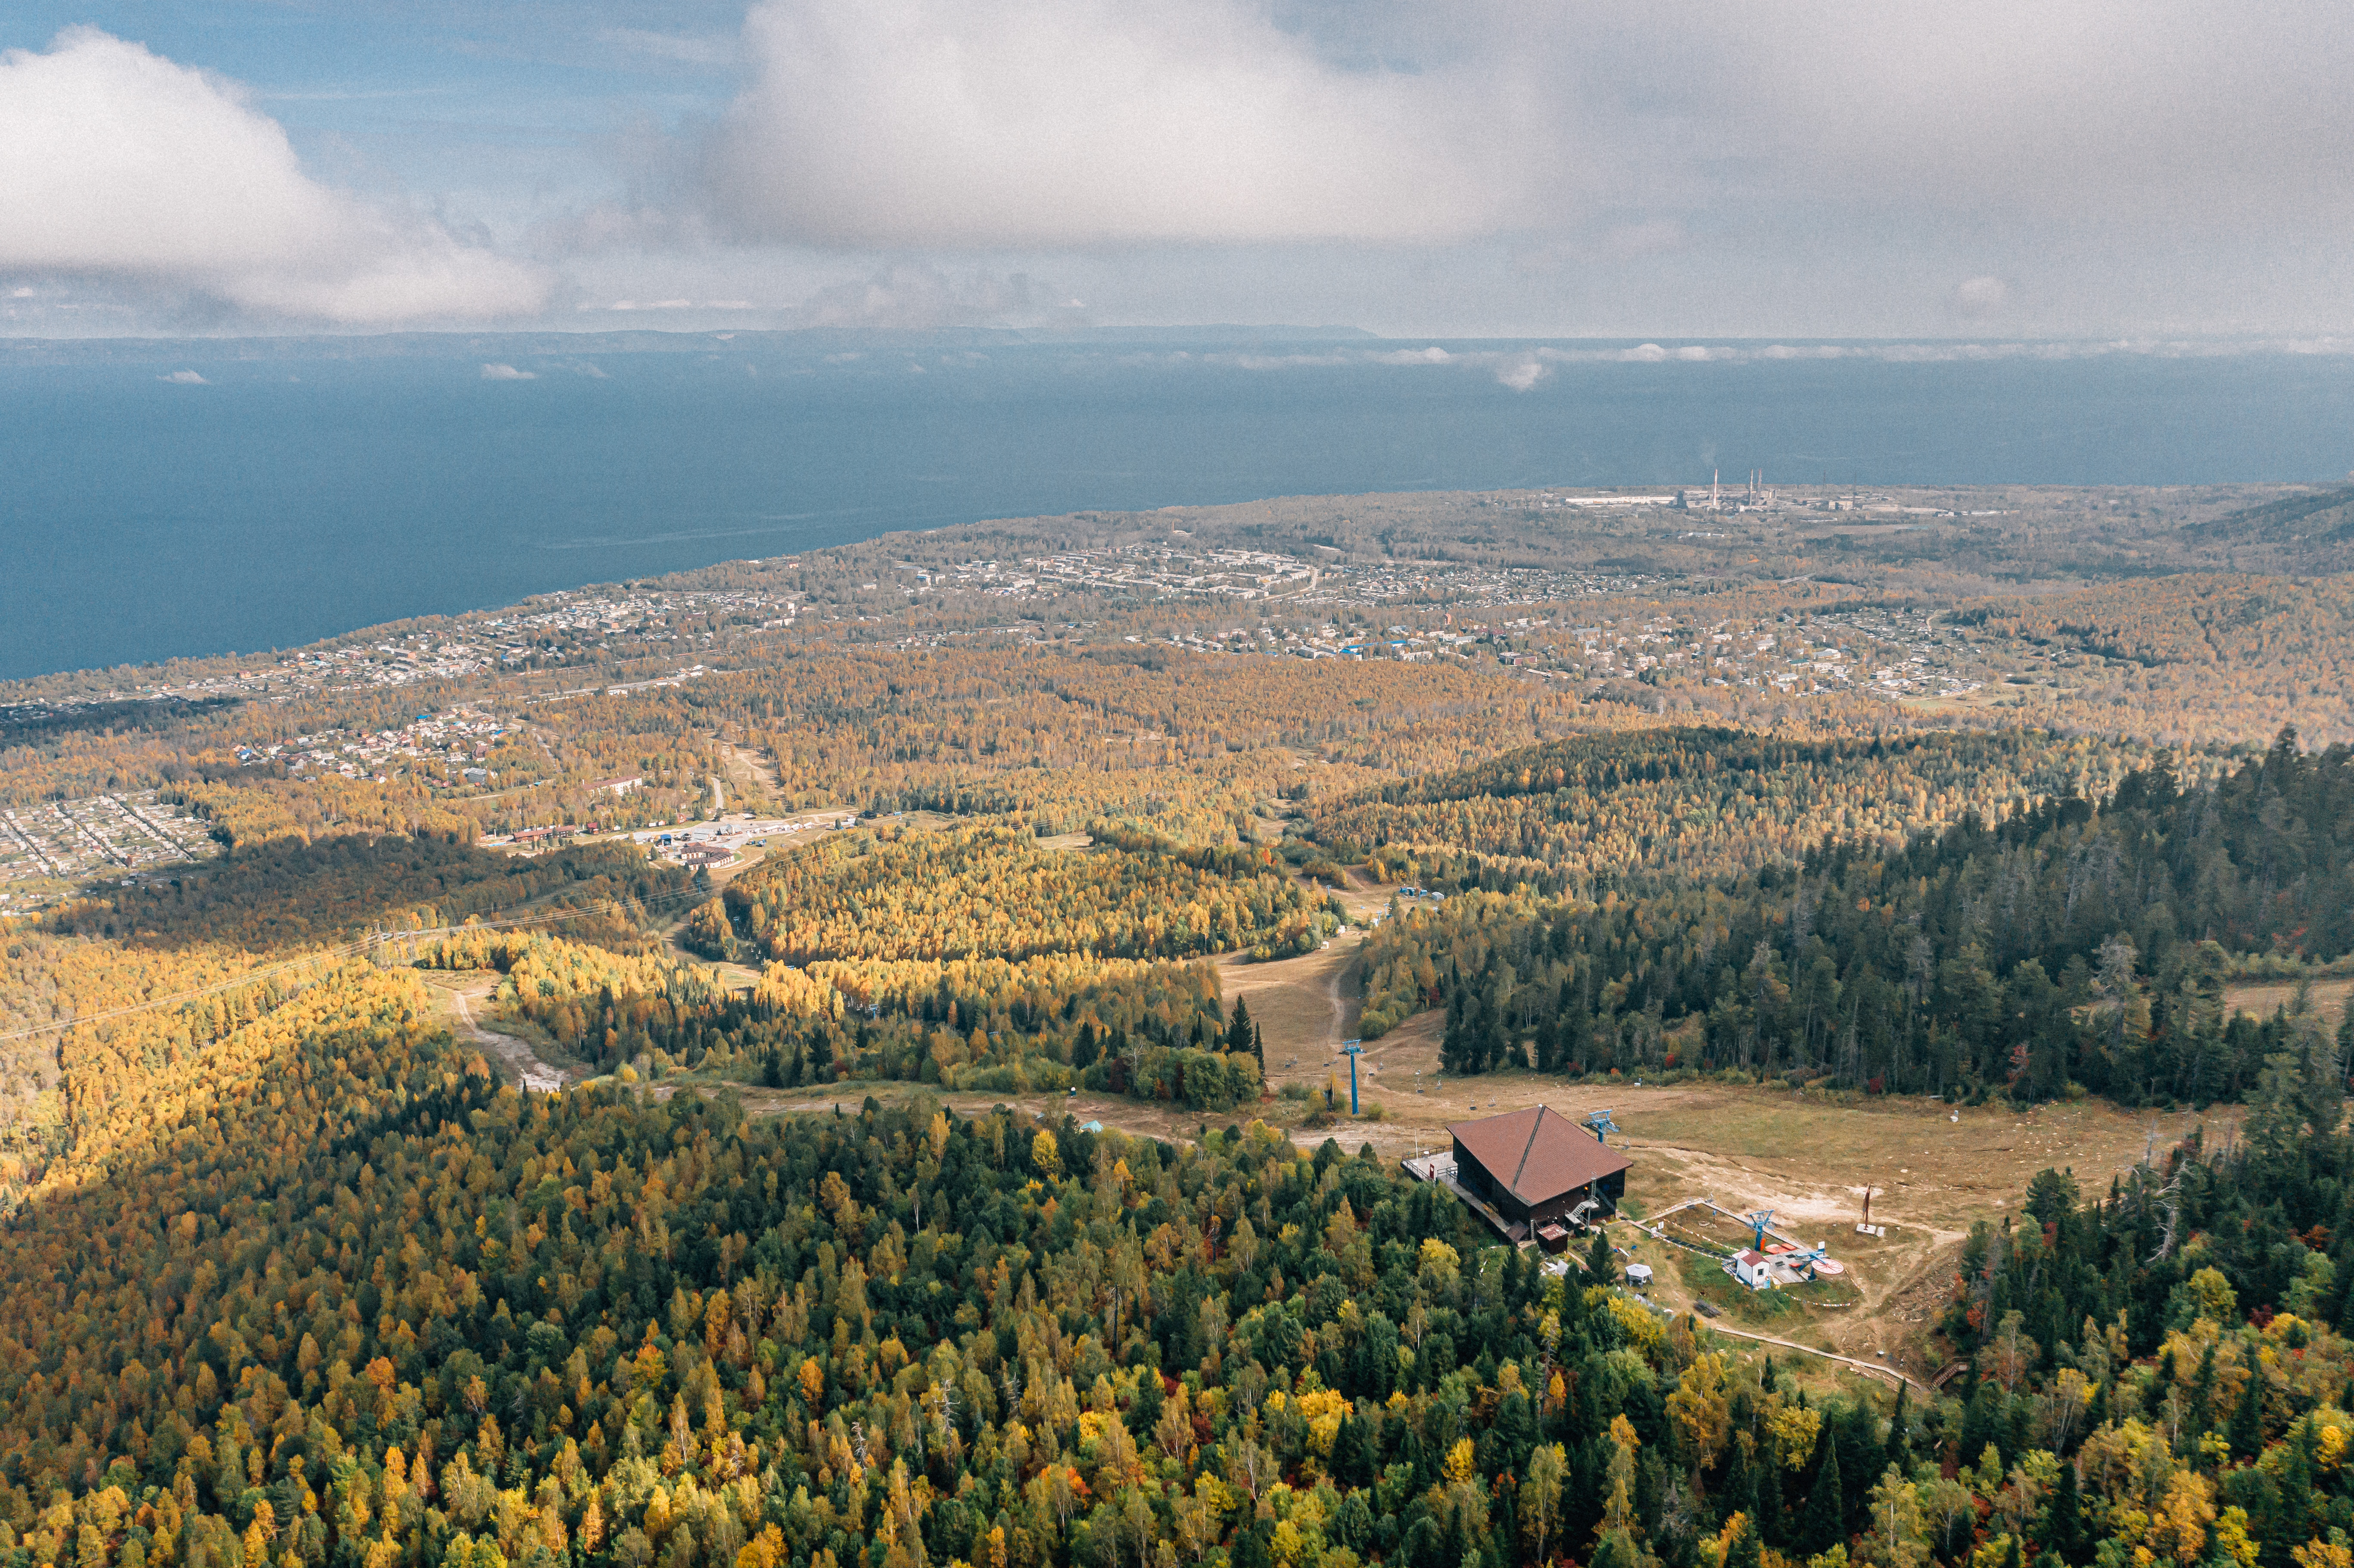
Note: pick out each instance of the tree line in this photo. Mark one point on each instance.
(2073, 943)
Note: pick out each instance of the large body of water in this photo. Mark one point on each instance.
(301, 490)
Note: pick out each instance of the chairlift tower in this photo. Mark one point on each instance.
(1599, 1124)
(1758, 1222)
(1353, 1049)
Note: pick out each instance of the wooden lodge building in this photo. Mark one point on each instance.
(1534, 1170)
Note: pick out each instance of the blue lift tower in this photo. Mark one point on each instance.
(1353, 1049)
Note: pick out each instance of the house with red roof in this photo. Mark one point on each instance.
(1535, 1169)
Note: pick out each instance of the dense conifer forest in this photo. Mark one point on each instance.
(2079, 942)
(349, 1301)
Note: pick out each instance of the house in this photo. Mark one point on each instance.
(1534, 1167)
(1751, 1268)
(618, 786)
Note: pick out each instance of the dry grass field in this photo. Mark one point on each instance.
(1935, 1169)
(1304, 1007)
(2261, 997)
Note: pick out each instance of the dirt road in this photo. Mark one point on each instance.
(532, 1074)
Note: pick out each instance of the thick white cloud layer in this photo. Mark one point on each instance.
(2054, 165)
(2050, 134)
(1539, 168)
(1014, 124)
(116, 163)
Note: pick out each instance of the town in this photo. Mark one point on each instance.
(56, 844)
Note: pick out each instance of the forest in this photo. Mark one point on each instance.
(289, 1278)
(285, 893)
(2078, 944)
(1579, 816)
(333, 1295)
(993, 892)
(101, 991)
(1151, 1028)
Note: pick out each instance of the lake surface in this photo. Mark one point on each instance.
(302, 489)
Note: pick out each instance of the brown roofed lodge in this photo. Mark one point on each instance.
(1536, 1166)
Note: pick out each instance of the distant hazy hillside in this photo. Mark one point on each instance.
(2316, 530)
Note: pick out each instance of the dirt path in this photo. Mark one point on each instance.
(1337, 1032)
(761, 772)
(535, 1075)
(1874, 1369)
(1304, 1007)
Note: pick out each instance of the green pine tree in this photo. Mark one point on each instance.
(2096, 1413)
(1601, 1268)
(1982, 1418)
(1769, 1500)
(2246, 1430)
(1238, 1027)
(1825, 1525)
(1487, 1042)
(2065, 1532)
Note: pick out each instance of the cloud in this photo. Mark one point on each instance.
(2040, 135)
(1979, 296)
(2191, 114)
(507, 373)
(185, 378)
(1521, 375)
(1050, 123)
(1521, 369)
(119, 165)
(1486, 170)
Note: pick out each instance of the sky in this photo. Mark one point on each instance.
(2004, 169)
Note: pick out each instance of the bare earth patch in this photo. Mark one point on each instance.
(460, 993)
